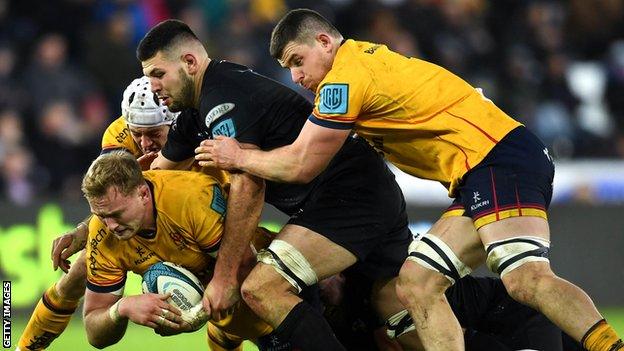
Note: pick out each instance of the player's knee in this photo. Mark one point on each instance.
(416, 284)
(262, 287)
(252, 291)
(429, 270)
(526, 282)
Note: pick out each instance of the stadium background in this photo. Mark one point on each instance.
(557, 66)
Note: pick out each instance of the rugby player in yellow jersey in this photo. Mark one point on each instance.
(141, 130)
(433, 125)
(141, 218)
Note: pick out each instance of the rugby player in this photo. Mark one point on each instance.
(322, 237)
(141, 130)
(433, 125)
(141, 218)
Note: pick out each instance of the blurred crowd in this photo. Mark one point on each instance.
(557, 66)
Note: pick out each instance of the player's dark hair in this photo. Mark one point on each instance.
(296, 25)
(162, 37)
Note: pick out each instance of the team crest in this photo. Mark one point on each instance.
(225, 128)
(334, 99)
(217, 112)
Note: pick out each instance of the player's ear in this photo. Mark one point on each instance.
(144, 192)
(191, 63)
(325, 41)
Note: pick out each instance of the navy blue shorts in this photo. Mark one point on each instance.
(514, 179)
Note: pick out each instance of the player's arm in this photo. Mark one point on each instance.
(68, 244)
(244, 207)
(299, 162)
(106, 315)
(103, 322)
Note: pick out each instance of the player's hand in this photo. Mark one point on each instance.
(152, 310)
(220, 298)
(145, 161)
(68, 244)
(221, 152)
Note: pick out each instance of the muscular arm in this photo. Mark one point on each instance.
(150, 310)
(102, 331)
(299, 162)
(245, 201)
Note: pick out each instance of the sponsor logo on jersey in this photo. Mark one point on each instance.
(217, 112)
(122, 135)
(334, 99)
(95, 251)
(225, 128)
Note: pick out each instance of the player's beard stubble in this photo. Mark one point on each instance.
(187, 92)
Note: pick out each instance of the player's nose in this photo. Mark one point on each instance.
(296, 76)
(145, 142)
(155, 84)
(111, 224)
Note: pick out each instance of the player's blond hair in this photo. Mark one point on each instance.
(118, 168)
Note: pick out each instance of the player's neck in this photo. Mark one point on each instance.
(199, 81)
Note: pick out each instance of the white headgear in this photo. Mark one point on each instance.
(142, 108)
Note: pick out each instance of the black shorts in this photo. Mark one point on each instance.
(358, 205)
(514, 179)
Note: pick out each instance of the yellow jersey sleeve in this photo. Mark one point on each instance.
(117, 136)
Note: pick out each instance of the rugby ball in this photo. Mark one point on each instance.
(166, 277)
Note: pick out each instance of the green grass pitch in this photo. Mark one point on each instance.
(141, 338)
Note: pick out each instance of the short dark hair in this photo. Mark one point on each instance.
(298, 25)
(162, 37)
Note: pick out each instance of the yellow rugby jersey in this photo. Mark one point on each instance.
(117, 136)
(189, 209)
(427, 121)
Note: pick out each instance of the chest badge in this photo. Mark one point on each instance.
(217, 112)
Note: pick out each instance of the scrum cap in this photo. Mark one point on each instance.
(142, 108)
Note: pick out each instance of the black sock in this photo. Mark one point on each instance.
(477, 341)
(304, 329)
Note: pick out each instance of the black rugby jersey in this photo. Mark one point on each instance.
(240, 103)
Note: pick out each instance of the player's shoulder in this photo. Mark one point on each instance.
(115, 127)
(117, 136)
(179, 184)
(182, 194)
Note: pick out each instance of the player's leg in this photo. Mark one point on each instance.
(297, 258)
(218, 340)
(230, 332)
(55, 308)
(491, 317)
(533, 283)
(439, 259)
